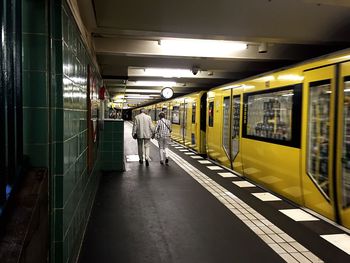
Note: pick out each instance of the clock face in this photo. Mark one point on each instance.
(167, 93)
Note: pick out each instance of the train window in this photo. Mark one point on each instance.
(226, 123)
(236, 109)
(318, 133)
(346, 146)
(194, 112)
(211, 114)
(269, 115)
(175, 118)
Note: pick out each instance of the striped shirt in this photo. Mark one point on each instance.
(163, 128)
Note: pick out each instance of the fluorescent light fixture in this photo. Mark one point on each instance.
(168, 72)
(146, 83)
(347, 90)
(291, 77)
(288, 95)
(201, 47)
(140, 90)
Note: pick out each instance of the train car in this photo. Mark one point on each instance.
(289, 131)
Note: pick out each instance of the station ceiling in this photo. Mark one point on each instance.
(128, 38)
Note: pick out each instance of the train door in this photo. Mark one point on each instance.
(235, 130)
(194, 125)
(318, 173)
(183, 117)
(343, 145)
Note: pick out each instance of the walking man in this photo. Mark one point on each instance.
(163, 130)
(143, 131)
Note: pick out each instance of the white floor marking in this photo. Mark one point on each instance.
(184, 150)
(214, 168)
(132, 158)
(342, 241)
(197, 157)
(266, 196)
(179, 147)
(227, 174)
(189, 154)
(298, 215)
(243, 184)
(204, 162)
(240, 209)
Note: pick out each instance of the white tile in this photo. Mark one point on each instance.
(204, 162)
(227, 174)
(342, 241)
(184, 150)
(243, 184)
(214, 168)
(197, 157)
(288, 258)
(189, 153)
(266, 196)
(298, 215)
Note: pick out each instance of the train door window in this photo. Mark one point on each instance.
(226, 123)
(236, 109)
(194, 112)
(175, 115)
(185, 109)
(318, 133)
(211, 114)
(269, 115)
(346, 146)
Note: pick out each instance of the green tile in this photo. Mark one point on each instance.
(58, 191)
(58, 222)
(56, 19)
(35, 52)
(35, 89)
(38, 154)
(58, 158)
(35, 9)
(57, 57)
(58, 257)
(57, 124)
(35, 126)
(66, 161)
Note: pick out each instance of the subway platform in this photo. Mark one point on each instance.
(197, 211)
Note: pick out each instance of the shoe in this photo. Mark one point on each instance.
(166, 160)
(141, 161)
(161, 162)
(147, 163)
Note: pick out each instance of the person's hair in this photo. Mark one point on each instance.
(161, 115)
(142, 110)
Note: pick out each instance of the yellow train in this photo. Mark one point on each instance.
(287, 130)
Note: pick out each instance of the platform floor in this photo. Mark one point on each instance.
(196, 211)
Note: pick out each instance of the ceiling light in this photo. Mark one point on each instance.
(140, 90)
(168, 72)
(138, 97)
(201, 47)
(146, 83)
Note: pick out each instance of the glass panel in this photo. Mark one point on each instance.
(194, 112)
(346, 147)
(175, 115)
(236, 109)
(211, 113)
(226, 120)
(185, 107)
(270, 115)
(318, 134)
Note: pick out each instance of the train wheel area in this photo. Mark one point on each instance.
(197, 211)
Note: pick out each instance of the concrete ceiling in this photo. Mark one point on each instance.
(126, 34)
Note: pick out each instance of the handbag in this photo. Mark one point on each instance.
(134, 136)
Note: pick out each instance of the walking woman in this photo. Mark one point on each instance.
(163, 130)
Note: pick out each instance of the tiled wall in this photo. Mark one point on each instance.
(55, 119)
